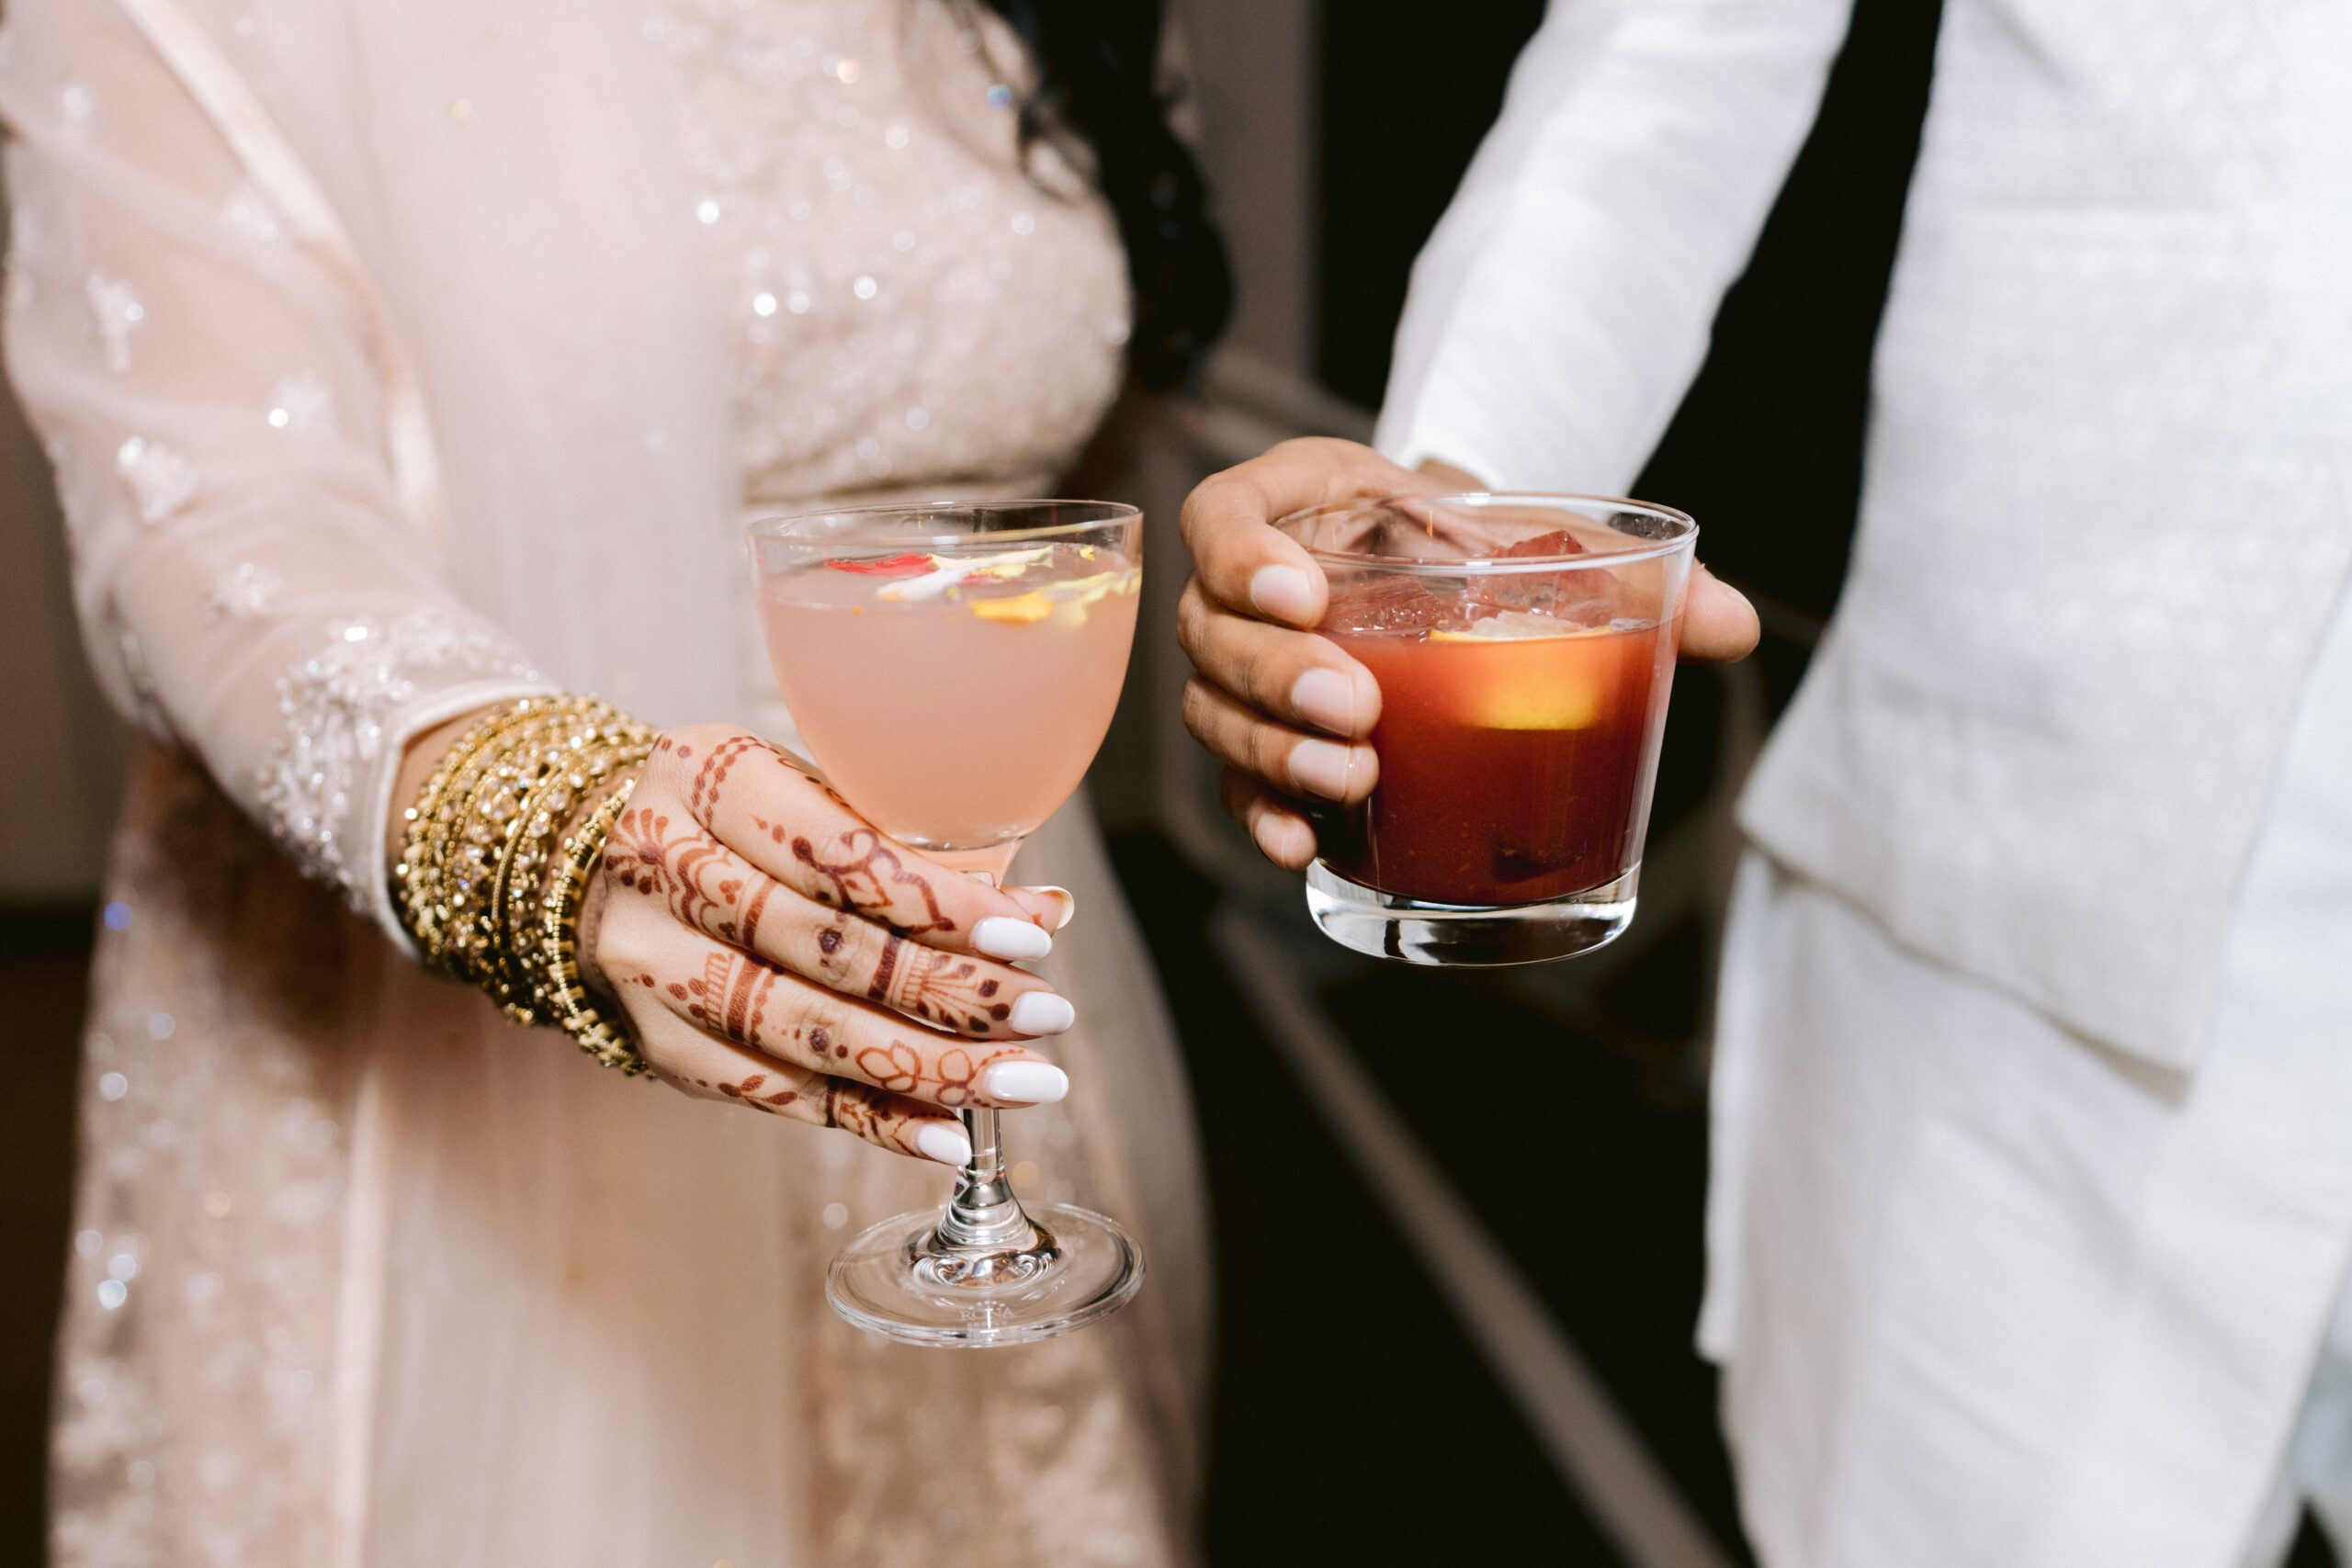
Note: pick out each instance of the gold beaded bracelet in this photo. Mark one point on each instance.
(498, 827)
(431, 831)
(471, 882)
(583, 763)
(600, 1034)
(450, 848)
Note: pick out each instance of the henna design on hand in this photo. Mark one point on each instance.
(938, 987)
(880, 901)
(858, 882)
(863, 882)
(870, 1114)
(731, 999)
(711, 780)
(642, 855)
(748, 1090)
(805, 777)
(687, 872)
(876, 1116)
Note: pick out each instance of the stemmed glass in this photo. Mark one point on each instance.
(953, 667)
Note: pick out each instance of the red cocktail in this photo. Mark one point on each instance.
(1524, 648)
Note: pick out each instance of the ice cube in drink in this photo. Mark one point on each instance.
(1518, 721)
(958, 699)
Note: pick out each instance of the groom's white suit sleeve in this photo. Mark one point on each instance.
(1562, 308)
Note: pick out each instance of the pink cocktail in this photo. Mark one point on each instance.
(1000, 671)
(953, 668)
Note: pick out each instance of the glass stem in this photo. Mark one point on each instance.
(985, 1213)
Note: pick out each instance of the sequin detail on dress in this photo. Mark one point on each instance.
(881, 250)
(192, 1426)
(303, 405)
(77, 108)
(249, 213)
(243, 593)
(159, 481)
(116, 306)
(337, 705)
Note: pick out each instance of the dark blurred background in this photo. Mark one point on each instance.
(1372, 1407)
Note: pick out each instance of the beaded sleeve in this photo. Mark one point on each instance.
(248, 577)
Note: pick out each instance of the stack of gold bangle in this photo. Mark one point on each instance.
(475, 883)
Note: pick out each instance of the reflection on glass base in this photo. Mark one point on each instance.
(1386, 926)
(900, 1280)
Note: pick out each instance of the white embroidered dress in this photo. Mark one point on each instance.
(397, 357)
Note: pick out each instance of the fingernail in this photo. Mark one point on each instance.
(1281, 592)
(1065, 898)
(1320, 767)
(1283, 840)
(1042, 1012)
(944, 1141)
(1002, 936)
(1032, 1083)
(1325, 699)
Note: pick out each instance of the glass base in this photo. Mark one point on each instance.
(903, 1279)
(1388, 926)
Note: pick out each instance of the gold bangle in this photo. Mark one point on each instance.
(471, 882)
(480, 828)
(488, 823)
(578, 1014)
(417, 877)
(521, 778)
(591, 757)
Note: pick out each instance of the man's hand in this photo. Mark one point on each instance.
(1287, 711)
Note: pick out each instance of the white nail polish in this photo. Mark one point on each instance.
(944, 1141)
(1030, 1083)
(1067, 901)
(1002, 936)
(1042, 1012)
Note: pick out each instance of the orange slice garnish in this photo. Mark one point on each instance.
(1021, 609)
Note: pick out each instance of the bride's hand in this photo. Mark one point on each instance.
(772, 948)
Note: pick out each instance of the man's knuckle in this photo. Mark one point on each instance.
(1260, 669)
(1269, 752)
(1190, 614)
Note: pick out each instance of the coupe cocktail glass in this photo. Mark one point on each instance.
(953, 668)
(1524, 647)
